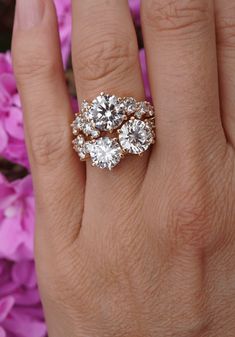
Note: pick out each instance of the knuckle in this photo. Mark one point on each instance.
(34, 65)
(63, 290)
(226, 28)
(190, 223)
(198, 211)
(48, 145)
(192, 217)
(179, 16)
(110, 57)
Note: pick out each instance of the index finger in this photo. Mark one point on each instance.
(57, 173)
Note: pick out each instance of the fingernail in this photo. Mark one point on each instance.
(29, 13)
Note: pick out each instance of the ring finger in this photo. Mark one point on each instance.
(106, 59)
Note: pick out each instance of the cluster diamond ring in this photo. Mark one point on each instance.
(110, 127)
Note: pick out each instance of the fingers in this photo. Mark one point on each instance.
(225, 24)
(47, 114)
(106, 58)
(181, 53)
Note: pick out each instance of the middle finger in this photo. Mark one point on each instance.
(181, 53)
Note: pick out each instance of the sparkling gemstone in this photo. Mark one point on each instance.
(90, 131)
(95, 133)
(136, 136)
(87, 128)
(141, 111)
(105, 152)
(84, 106)
(106, 112)
(150, 112)
(130, 105)
(82, 152)
(78, 142)
(80, 147)
(77, 124)
(88, 146)
(144, 109)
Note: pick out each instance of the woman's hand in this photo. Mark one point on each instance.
(147, 249)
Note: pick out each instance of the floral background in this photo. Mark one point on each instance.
(20, 307)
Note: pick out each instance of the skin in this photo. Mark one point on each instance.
(147, 249)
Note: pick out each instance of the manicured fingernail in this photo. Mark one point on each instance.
(29, 13)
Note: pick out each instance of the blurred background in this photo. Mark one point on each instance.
(7, 8)
(6, 22)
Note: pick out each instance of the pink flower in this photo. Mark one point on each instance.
(16, 219)
(145, 74)
(135, 10)
(12, 145)
(63, 8)
(20, 308)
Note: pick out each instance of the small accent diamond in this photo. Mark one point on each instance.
(106, 112)
(136, 136)
(82, 152)
(105, 152)
(130, 105)
(90, 131)
(141, 110)
(95, 133)
(84, 106)
(77, 124)
(144, 109)
(150, 112)
(79, 146)
(87, 129)
(78, 142)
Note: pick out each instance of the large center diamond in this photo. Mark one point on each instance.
(136, 136)
(106, 112)
(105, 152)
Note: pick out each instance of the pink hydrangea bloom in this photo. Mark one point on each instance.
(145, 74)
(12, 145)
(135, 10)
(16, 219)
(63, 8)
(20, 308)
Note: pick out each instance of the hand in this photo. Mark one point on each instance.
(147, 249)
